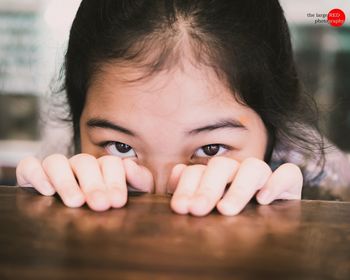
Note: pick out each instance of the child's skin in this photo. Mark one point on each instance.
(167, 121)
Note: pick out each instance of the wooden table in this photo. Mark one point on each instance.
(40, 238)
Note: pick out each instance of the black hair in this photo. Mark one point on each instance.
(247, 44)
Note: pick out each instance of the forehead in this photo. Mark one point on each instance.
(163, 92)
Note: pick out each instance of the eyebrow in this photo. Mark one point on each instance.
(225, 123)
(102, 123)
(221, 124)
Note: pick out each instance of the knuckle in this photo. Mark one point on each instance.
(195, 168)
(251, 161)
(220, 159)
(106, 159)
(291, 167)
(52, 159)
(256, 163)
(82, 157)
(28, 160)
(28, 166)
(294, 171)
(26, 163)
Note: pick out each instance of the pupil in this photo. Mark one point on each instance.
(211, 150)
(122, 148)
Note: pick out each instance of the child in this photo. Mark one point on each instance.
(196, 98)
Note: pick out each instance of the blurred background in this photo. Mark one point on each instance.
(33, 37)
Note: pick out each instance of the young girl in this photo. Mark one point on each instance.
(196, 98)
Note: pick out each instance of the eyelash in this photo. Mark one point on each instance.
(219, 152)
(106, 144)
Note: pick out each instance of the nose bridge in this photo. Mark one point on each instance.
(161, 170)
(161, 153)
(160, 181)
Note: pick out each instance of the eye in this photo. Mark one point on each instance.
(120, 149)
(211, 150)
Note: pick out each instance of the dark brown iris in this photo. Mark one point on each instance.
(211, 150)
(122, 148)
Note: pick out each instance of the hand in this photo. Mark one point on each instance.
(200, 188)
(101, 183)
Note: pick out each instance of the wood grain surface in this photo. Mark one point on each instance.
(40, 238)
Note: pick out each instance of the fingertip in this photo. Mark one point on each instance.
(138, 176)
(180, 204)
(175, 176)
(98, 200)
(29, 173)
(228, 209)
(199, 206)
(47, 189)
(74, 201)
(117, 198)
(263, 197)
(177, 169)
(48, 192)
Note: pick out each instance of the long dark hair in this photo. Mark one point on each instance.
(246, 43)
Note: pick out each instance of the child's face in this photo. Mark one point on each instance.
(167, 120)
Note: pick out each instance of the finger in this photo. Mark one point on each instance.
(30, 173)
(88, 173)
(62, 178)
(175, 175)
(219, 172)
(113, 174)
(251, 176)
(188, 183)
(138, 176)
(285, 183)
